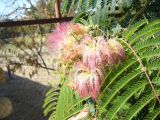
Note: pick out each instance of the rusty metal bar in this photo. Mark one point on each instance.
(34, 22)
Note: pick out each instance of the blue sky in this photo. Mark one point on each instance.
(7, 6)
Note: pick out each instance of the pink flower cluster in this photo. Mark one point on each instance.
(89, 55)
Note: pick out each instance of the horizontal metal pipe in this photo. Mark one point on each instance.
(34, 22)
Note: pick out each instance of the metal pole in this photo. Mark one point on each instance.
(34, 22)
(57, 10)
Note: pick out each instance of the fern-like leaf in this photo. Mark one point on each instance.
(146, 31)
(50, 101)
(115, 73)
(120, 84)
(121, 100)
(138, 106)
(128, 33)
(150, 53)
(153, 114)
(147, 43)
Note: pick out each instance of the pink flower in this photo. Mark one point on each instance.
(88, 82)
(73, 43)
(57, 38)
(64, 40)
(93, 53)
(62, 34)
(78, 29)
(71, 53)
(117, 49)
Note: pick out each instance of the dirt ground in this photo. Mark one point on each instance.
(27, 94)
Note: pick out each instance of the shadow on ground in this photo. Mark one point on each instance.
(27, 97)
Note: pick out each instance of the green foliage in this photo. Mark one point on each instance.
(51, 100)
(109, 14)
(153, 114)
(127, 84)
(139, 105)
(121, 100)
(131, 88)
(61, 103)
(105, 13)
(129, 79)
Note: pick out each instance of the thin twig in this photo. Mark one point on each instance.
(42, 60)
(40, 48)
(39, 65)
(17, 47)
(143, 68)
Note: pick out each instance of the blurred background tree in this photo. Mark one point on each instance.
(26, 43)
